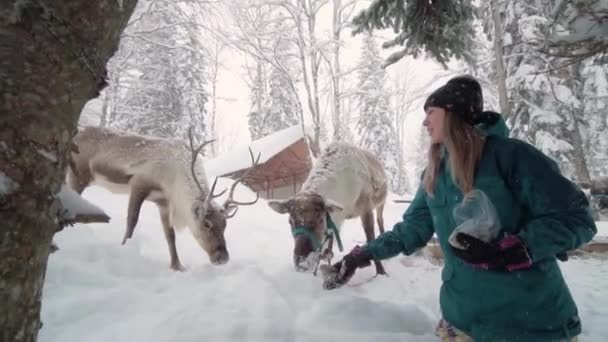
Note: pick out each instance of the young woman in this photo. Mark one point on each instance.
(510, 289)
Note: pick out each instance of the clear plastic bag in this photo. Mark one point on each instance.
(476, 216)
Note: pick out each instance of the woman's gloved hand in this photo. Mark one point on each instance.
(508, 253)
(340, 273)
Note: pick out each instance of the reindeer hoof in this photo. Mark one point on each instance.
(178, 267)
(380, 270)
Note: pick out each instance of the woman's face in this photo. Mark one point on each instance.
(435, 123)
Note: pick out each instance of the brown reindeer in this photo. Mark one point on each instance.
(163, 171)
(345, 182)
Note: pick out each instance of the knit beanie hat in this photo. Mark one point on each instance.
(462, 96)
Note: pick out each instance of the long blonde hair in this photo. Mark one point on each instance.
(464, 144)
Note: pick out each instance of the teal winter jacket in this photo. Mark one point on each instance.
(533, 200)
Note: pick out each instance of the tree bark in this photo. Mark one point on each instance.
(52, 60)
(337, 29)
(503, 97)
(215, 69)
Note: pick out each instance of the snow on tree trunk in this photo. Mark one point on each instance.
(53, 60)
(594, 94)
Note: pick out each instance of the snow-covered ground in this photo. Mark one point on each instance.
(98, 290)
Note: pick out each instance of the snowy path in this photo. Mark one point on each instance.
(97, 290)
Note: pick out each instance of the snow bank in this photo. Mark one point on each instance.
(97, 290)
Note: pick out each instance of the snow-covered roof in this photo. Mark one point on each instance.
(268, 146)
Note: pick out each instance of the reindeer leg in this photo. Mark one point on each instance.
(77, 182)
(380, 217)
(328, 252)
(176, 265)
(136, 199)
(368, 226)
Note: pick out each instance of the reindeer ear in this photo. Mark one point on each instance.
(280, 206)
(332, 205)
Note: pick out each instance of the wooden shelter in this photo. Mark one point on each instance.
(597, 190)
(599, 194)
(285, 161)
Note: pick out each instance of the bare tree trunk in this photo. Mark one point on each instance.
(337, 29)
(214, 73)
(103, 120)
(314, 58)
(580, 162)
(52, 60)
(503, 98)
(399, 118)
(579, 156)
(310, 60)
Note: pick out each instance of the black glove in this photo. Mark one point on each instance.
(508, 253)
(340, 273)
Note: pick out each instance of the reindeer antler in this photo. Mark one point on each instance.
(230, 201)
(211, 194)
(195, 152)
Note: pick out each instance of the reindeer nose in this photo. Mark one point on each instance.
(302, 246)
(301, 251)
(220, 257)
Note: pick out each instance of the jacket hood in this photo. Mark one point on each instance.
(496, 126)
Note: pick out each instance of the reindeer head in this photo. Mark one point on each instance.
(210, 224)
(211, 217)
(307, 217)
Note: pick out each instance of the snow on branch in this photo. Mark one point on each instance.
(78, 210)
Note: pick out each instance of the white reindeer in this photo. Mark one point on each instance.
(164, 171)
(345, 182)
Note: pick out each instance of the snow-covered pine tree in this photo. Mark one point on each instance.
(445, 31)
(578, 31)
(546, 110)
(274, 102)
(257, 86)
(191, 81)
(280, 108)
(375, 126)
(161, 90)
(483, 65)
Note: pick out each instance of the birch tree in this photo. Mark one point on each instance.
(375, 126)
(341, 14)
